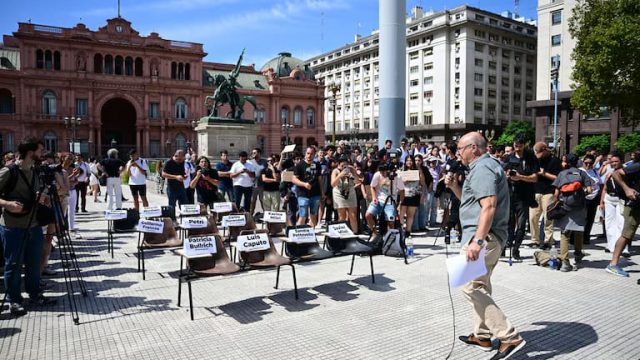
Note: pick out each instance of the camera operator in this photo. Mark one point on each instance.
(484, 212)
(205, 182)
(521, 167)
(628, 179)
(381, 195)
(20, 233)
(550, 167)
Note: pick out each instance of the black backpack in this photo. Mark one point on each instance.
(572, 191)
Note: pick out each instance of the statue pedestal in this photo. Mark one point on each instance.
(234, 135)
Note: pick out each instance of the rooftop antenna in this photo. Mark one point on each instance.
(119, 8)
(515, 7)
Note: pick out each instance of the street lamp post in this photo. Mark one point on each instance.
(286, 127)
(489, 135)
(72, 122)
(334, 89)
(555, 72)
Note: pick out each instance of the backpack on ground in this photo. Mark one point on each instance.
(393, 244)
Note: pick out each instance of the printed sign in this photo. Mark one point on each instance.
(151, 211)
(234, 220)
(304, 235)
(289, 148)
(253, 242)
(197, 246)
(287, 176)
(151, 226)
(115, 214)
(189, 209)
(340, 230)
(409, 175)
(195, 222)
(274, 217)
(222, 207)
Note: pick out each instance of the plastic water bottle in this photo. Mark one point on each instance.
(409, 244)
(553, 260)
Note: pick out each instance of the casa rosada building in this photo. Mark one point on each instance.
(131, 91)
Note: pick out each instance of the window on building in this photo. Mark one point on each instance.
(49, 103)
(181, 142)
(154, 110)
(415, 82)
(428, 94)
(477, 106)
(505, 67)
(492, 94)
(50, 141)
(555, 40)
(311, 117)
(413, 119)
(478, 77)
(413, 96)
(138, 66)
(174, 70)
(492, 79)
(479, 47)
(428, 66)
(119, 65)
(108, 64)
(82, 107)
(479, 62)
(154, 148)
(556, 17)
(56, 60)
(414, 69)
(39, 59)
(492, 65)
(284, 115)
(477, 92)
(297, 116)
(413, 55)
(48, 60)
(181, 109)
(428, 80)
(428, 51)
(97, 63)
(6, 102)
(128, 66)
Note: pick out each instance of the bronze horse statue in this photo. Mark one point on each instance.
(226, 93)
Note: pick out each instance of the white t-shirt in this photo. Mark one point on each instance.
(243, 179)
(136, 176)
(383, 187)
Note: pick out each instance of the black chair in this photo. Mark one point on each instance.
(350, 246)
(304, 251)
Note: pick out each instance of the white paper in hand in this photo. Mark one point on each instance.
(462, 271)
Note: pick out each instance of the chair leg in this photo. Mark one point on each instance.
(295, 281)
(373, 278)
(142, 258)
(353, 258)
(277, 277)
(180, 281)
(190, 299)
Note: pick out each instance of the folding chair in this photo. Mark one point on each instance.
(168, 239)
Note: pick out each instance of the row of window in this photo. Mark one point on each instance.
(297, 116)
(48, 60)
(51, 143)
(117, 65)
(180, 71)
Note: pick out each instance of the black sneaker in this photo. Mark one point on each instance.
(506, 350)
(516, 255)
(534, 246)
(484, 345)
(42, 300)
(17, 309)
(545, 247)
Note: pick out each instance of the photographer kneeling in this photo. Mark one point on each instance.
(19, 230)
(383, 191)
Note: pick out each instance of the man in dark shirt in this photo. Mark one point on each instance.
(307, 177)
(224, 171)
(521, 167)
(174, 172)
(550, 167)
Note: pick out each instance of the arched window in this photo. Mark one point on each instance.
(48, 60)
(39, 59)
(284, 115)
(6, 102)
(139, 66)
(56, 60)
(49, 103)
(128, 66)
(174, 70)
(50, 141)
(108, 64)
(119, 63)
(180, 71)
(297, 116)
(187, 72)
(181, 109)
(97, 63)
(311, 117)
(181, 142)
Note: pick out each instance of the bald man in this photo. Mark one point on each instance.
(174, 172)
(484, 216)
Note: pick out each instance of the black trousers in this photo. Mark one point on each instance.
(81, 190)
(592, 207)
(517, 222)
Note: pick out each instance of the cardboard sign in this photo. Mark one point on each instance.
(340, 231)
(301, 236)
(195, 222)
(289, 148)
(198, 246)
(115, 214)
(151, 211)
(234, 220)
(274, 217)
(287, 176)
(253, 242)
(222, 207)
(151, 226)
(189, 209)
(409, 175)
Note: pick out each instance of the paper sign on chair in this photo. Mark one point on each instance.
(234, 220)
(189, 209)
(222, 207)
(151, 211)
(198, 246)
(196, 222)
(253, 242)
(302, 236)
(151, 226)
(275, 217)
(115, 214)
(340, 230)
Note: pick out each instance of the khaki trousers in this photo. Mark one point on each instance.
(488, 318)
(543, 200)
(578, 238)
(270, 201)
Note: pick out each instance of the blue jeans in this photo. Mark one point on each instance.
(176, 194)
(308, 206)
(228, 193)
(238, 192)
(432, 209)
(18, 251)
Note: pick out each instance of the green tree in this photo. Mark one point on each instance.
(598, 142)
(514, 129)
(607, 57)
(628, 143)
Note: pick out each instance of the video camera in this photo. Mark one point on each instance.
(47, 172)
(392, 159)
(512, 165)
(457, 170)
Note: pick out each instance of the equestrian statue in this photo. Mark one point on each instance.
(226, 93)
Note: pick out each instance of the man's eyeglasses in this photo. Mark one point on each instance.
(462, 149)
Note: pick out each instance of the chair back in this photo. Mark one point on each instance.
(249, 225)
(253, 257)
(168, 233)
(212, 227)
(220, 258)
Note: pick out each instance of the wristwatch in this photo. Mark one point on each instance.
(480, 242)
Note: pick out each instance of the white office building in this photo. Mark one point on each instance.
(467, 69)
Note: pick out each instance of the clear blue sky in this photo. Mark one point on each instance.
(264, 27)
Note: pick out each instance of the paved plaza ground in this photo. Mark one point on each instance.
(406, 314)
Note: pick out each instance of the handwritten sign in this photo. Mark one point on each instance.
(222, 207)
(189, 209)
(151, 226)
(340, 230)
(115, 214)
(253, 242)
(234, 220)
(302, 236)
(275, 217)
(287, 176)
(151, 211)
(198, 246)
(409, 175)
(195, 222)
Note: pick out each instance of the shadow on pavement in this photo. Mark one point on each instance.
(8, 332)
(382, 284)
(557, 338)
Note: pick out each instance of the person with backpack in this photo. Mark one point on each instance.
(572, 185)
